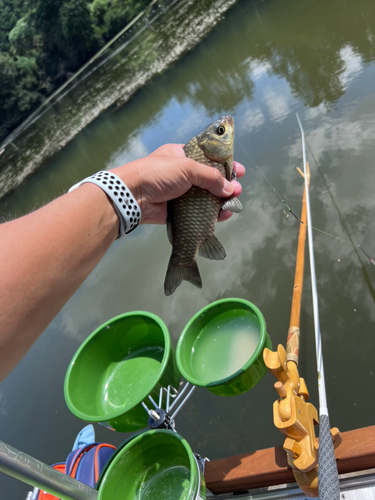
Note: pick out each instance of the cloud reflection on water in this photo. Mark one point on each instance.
(352, 65)
(278, 104)
(252, 119)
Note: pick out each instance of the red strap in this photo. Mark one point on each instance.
(96, 458)
(77, 456)
(43, 495)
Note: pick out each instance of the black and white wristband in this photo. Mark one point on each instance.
(124, 202)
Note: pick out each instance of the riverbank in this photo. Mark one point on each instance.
(142, 52)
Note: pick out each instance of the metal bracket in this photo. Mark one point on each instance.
(164, 419)
(201, 462)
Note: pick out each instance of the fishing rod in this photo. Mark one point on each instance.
(292, 343)
(292, 415)
(328, 480)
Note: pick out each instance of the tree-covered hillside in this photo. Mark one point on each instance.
(42, 42)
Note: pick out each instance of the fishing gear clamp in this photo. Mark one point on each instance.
(159, 419)
(164, 419)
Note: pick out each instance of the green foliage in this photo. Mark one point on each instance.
(21, 38)
(19, 85)
(76, 26)
(10, 12)
(110, 16)
(42, 42)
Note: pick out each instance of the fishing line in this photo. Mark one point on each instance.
(288, 207)
(334, 199)
(353, 242)
(342, 216)
(331, 235)
(272, 186)
(367, 255)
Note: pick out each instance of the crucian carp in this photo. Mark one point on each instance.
(192, 217)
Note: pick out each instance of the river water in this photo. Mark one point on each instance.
(262, 63)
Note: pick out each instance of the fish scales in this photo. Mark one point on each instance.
(194, 220)
(195, 213)
(192, 217)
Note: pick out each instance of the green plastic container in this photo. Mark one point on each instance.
(113, 456)
(156, 464)
(221, 348)
(117, 367)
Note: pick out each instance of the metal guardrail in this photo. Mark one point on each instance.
(21, 466)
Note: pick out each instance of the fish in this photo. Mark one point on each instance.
(192, 217)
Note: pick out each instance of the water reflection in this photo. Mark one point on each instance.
(314, 47)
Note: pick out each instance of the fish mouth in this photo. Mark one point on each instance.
(228, 119)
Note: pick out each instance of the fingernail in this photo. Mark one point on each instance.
(228, 188)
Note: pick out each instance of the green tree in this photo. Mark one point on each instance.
(79, 39)
(19, 89)
(43, 41)
(21, 38)
(45, 18)
(10, 12)
(110, 16)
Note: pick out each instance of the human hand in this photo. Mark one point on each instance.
(167, 174)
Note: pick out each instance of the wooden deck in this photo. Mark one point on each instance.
(269, 467)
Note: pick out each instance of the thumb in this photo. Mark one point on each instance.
(208, 178)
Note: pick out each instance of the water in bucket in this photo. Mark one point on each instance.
(224, 345)
(125, 377)
(117, 367)
(154, 465)
(174, 483)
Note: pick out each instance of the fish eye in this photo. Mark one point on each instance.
(220, 129)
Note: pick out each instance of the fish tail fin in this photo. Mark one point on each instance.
(176, 274)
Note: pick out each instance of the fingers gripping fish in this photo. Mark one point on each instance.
(192, 217)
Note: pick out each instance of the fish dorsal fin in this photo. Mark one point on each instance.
(212, 249)
(232, 204)
(228, 169)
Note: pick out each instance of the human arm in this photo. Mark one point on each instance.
(47, 254)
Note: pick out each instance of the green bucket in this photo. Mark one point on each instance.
(155, 464)
(117, 367)
(221, 348)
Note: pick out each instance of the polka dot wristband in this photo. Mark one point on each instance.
(123, 201)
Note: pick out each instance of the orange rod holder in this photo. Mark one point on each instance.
(292, 343)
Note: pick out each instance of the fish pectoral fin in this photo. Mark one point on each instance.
(169, 222)
(170, 231)
(212, 249)
(228, 169)
(176, 274)
(232, 204)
